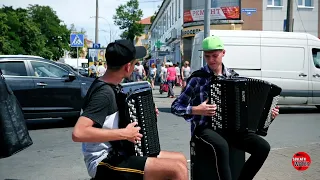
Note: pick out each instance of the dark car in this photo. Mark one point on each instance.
(44, 88)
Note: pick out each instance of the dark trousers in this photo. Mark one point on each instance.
(170, 92)
(214, 149)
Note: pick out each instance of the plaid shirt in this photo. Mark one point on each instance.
(195, 93)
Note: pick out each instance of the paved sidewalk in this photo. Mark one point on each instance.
(278, 166)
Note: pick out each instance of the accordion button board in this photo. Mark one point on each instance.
(139, 107)
(243, 104)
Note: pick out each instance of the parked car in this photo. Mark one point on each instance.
(44, 88)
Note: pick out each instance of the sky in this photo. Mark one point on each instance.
(82, 12)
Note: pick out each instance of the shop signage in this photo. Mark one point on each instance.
(191, 31)
(223, 13)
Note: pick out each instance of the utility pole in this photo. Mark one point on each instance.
(289, 21)
(207, 22)
(97, 26)
(207, 9)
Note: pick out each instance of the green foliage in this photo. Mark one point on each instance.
(36, 30)
(127, 17)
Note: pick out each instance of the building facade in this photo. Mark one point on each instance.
(143, 39)
(267, 15)
(271, 15)
(165, 40)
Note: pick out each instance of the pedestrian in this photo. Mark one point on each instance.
(171, 77)
(93, 70)
(152, 74)
(97, 128)
(178, 76)
(185, 73)
(192, 105)
(100, 70)
(140, 72)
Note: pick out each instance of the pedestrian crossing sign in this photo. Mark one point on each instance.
(76, 40)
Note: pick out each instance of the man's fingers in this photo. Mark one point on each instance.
(139, 135)
(210, 108)
(133, 124)
(206, 101)
(138, 128)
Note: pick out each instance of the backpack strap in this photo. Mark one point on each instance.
(92, 90)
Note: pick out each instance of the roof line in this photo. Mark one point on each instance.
(157, 14)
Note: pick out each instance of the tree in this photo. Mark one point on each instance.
(73, 51)
(56, 32)
(127, 17)
(20, 34)
(36, 30)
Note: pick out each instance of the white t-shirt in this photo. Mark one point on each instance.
(163, 72)
(100, 71)
(140, 69)
(177, 71)
(102, 109)
(152, 71)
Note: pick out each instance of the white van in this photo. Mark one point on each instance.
(289, 59)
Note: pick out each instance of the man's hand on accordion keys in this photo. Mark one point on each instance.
(275, 112)
(204, 109)
(131, 132)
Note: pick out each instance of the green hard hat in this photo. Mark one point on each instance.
(212, 43)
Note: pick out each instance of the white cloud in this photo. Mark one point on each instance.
(79, 12)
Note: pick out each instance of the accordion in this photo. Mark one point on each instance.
(135, 104)
(243, 104)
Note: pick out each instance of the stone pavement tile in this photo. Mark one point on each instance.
(278, 166)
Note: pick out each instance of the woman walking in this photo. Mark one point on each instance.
(185, 73)
(152, 74)
(171, 78)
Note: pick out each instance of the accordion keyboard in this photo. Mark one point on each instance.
(215, 98)
(142, 111)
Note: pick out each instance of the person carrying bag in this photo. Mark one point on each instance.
(14, 135)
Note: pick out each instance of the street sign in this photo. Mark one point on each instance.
(249, 11)
(158, 44)
(96, 46)
(76, 40)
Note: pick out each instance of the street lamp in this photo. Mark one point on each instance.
(96, 30)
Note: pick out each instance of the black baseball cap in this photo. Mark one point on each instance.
(123, 51)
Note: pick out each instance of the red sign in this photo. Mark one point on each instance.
(221, 13)
(301, 161)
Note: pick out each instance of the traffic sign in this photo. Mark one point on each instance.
(96, 46)
(76, 40)
(249, 11)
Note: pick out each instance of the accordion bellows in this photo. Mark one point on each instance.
(135, 104)
(243, 104)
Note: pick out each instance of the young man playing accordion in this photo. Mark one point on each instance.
(97, 128)
(192, 105)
